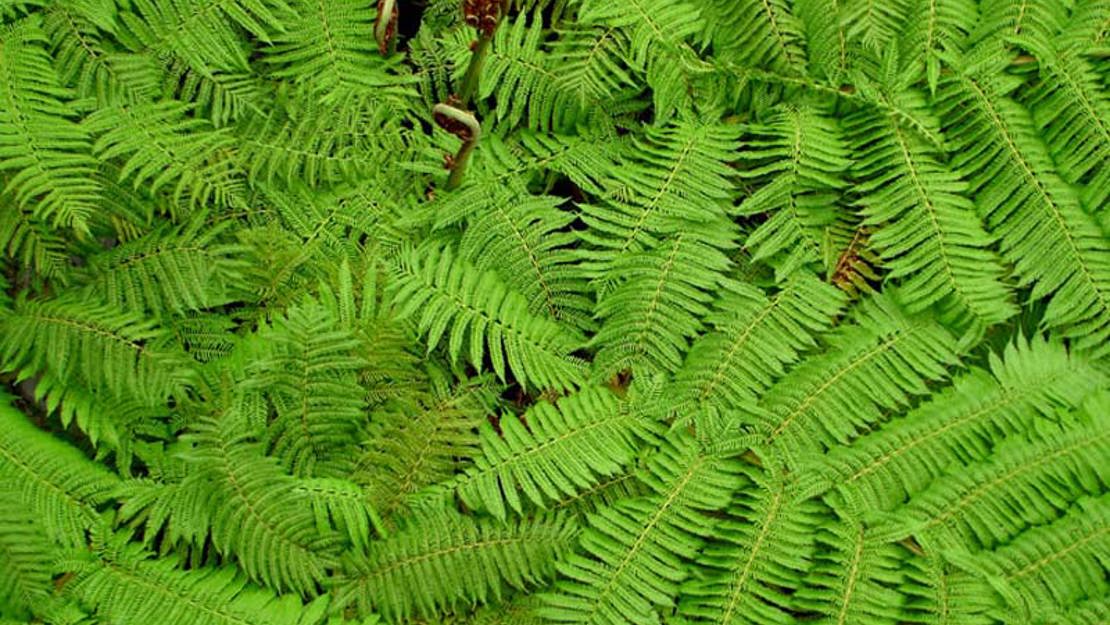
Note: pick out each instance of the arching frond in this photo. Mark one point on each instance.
(1051, 565)
(26, 553)
(160, 144)
(447, 560)
(759, 33)
(520, 77)
(170, 271)
(1071, 109)
(1044, 231)
(311, 378)
(757, 556)
(40, 141)
(877, 363)
(448, 293)
(553, 451)
(84, 342)
(631, 556)
(670, 177)
(328, 47)
(855, 578)
(525, 239)
(121, 581)
(927, 229)
(201, 32)
(256, 511)
(798, 158)
(755, 336)
(1026, 383)
(1021, 484)
(416, 446)
(649, 319)
(653, 26)
(50, 478)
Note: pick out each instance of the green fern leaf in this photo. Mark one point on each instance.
(1044, 231)
(26, 555)
(756, 557)
(170, 271)
(1021, 484)
(52, 479)
(447, 559)
(632, 555)
(1028, 382)
(256, 512)
(161, 144)
(799, 157)
(565, 448)
(878, 363)
(122, 583)
(928, 231)
(450, 292)
(755, 335)
(311, 378)
(94, 345)
(39, 139)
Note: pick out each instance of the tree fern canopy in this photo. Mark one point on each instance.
(576, 312)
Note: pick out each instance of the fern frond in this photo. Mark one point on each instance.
(759, 33)
(938, 593)
(927, 229)
(591, 62)
(123, 583)
(1020, 484)
(666, 179)
(413, 447)
(85, 58)
(311, 377)
(757, 556)
(880, 362)
(160, 144)
(110, 424)
(931, 27)
(26, 554)
(522, 80)
(447, 559)
(1029, 18)
(961, 423)
(1044, 231)
(1056, 564)
(855, 577)
(256, 512)
(553, 451)
(51, 478)
(343, 505)
(317, 149)
(447, 291)
(653, 26)
(632, 556)
(755, 336)
(87, 343)
(39, 140)
(327, 47)
(171, 270)
(799, 159)
(873, 23)
(203, 33)
(524, 238)
(650, 318)
(1070, 108)
(29, 241)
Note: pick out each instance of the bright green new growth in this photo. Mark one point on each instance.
(568, 312)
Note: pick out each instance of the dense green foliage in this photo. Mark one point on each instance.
(605, 312)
